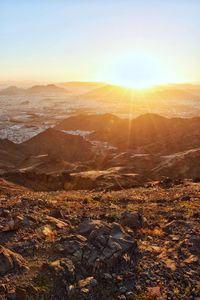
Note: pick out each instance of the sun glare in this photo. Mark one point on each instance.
(136, 71)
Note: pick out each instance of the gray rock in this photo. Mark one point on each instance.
(122, 297)
(105, 245)
(56, 213)
(123, 289)
(107, 276)
(87, 227)
(129, 295)
(132, 219)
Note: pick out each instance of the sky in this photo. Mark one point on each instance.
(122, 41)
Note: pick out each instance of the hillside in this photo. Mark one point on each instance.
(179, 165)
(149, 133)
(10, 155)
(140, 243)
(146, 148)
(89, 122)
(50, 152)
(58, 144)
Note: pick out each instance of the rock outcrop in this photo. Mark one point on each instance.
(10, 261)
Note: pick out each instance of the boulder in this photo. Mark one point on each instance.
(10, 261)
(105, 245)
(95, 249)
(87, 227)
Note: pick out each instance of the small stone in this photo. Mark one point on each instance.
(26, 221)
(2, 289)
(123, 289)
(132, 220)
(56, 213)
(85, 290)
(122, 297)
(148, 281)
(118, 278)
(6, 213)
(107, 276)
(175, 238)
(129, 295)
(88, 282)
(93, 282)
(128, 274)
(185, 198)
(71, 290)
(138, 287)
(57, 223)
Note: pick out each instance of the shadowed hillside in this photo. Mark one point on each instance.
(113, 153)
(148, 133)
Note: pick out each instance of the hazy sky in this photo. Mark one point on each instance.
(62, 40)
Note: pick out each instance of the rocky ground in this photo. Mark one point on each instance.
(140, 243)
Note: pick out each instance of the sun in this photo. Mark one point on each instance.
(136, 70)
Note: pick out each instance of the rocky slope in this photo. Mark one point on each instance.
(140, 243)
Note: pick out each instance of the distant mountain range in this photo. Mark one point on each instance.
(110, 93)
(80, 87)
(75, 87)
(37, 89)
(98, 91)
